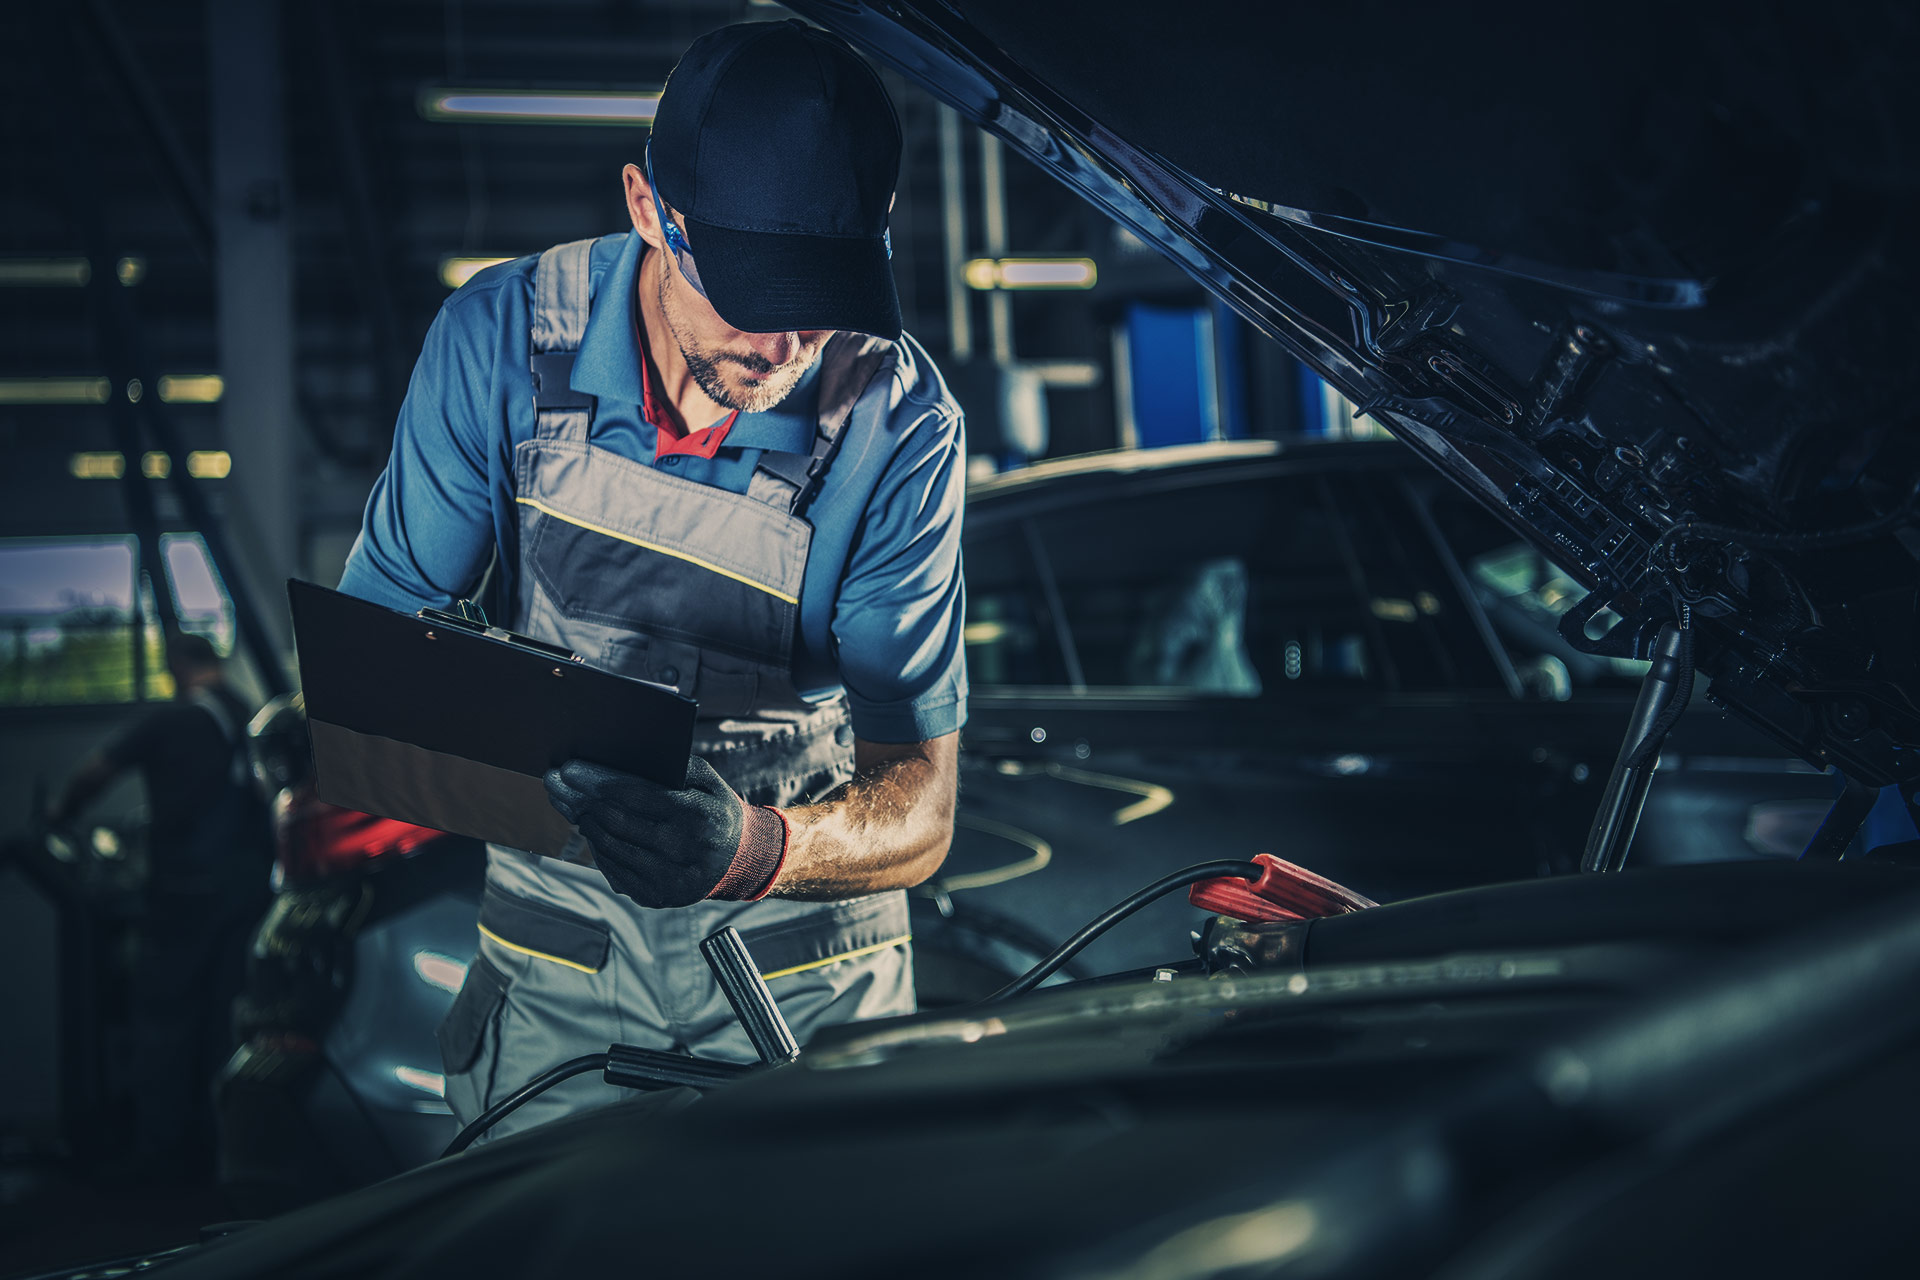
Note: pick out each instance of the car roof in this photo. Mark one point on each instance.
(1098, 471)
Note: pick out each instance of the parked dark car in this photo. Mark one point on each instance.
(1637, 280)
(1322, 651)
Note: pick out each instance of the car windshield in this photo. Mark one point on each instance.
(1226, 586)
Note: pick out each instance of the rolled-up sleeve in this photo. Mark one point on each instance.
(428, 532)
(902, 603)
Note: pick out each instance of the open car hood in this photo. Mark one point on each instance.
(1639, 280)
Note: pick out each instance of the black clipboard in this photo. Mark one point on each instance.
(441, 720)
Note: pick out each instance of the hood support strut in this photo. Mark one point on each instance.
(1663, 696)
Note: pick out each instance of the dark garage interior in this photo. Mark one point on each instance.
(1044, 639)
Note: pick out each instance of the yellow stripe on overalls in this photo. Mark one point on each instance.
(708, 565)
(844, 955)
(537, 955)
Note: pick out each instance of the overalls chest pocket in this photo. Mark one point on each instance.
(622, 584)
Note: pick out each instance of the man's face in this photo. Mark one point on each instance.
(737, 369)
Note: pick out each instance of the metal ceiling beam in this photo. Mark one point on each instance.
(366, 235)
(177, 168)
(953, 193)
(104, 36)
(253, 278)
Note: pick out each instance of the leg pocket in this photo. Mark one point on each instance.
(842, 963)
(838, 931)
(543, 932)
(556, 998)
(473, 1010)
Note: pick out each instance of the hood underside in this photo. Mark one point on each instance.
(1638, 279)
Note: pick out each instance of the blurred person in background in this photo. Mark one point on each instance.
(209, 857)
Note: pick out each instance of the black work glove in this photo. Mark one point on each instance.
(667, 847)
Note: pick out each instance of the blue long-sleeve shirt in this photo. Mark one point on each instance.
(882, 602)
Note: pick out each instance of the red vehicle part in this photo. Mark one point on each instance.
(316, 839)
(1283, 892)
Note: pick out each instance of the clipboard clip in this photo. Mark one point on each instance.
(469, 616)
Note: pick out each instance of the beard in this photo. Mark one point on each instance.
(717, 373)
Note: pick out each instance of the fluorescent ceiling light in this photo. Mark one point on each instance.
(45, 273)
(202, 464)
(97, 466)
(175, 388)
(1031, 273)
(63, 273)
(538, 106)
(55, 390)
(455, 272)
(192, 388)
(209, 464)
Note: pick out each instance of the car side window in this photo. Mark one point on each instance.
(1423, 626)
(1010, 634)
(1525, 595)
(1221, 589)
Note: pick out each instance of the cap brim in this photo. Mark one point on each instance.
(765, 282)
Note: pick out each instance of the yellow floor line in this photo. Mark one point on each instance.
(1153, 796)
(1042, 855)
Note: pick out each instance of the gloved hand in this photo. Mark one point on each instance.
(664, 847)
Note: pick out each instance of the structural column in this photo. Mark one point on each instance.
(253, 267)
(953, 192)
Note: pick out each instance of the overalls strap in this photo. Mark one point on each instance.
(560, 297)
(561, 304)
(847, 367)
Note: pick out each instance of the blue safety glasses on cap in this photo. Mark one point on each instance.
(677, 239)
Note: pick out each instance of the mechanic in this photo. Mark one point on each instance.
(703, 453)
(209, 859)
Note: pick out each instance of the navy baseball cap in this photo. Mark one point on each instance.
(780, 149)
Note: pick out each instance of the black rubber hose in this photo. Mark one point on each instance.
(1114, 915)
(1762, 540)
(525, 1093)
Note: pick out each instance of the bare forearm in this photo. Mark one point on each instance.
(889, 828)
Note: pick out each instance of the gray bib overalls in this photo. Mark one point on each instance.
(658, 577)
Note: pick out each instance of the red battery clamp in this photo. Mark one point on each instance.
(1283, 892)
